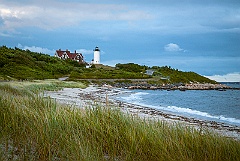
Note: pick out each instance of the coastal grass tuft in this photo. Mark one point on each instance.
(37, 128)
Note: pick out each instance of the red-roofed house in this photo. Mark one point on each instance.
(68, 55)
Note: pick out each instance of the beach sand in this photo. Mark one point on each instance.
(95, 96)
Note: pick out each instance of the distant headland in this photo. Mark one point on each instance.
(18, 64)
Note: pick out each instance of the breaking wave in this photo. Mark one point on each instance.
(144, 99)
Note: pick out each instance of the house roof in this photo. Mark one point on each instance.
(70, 55)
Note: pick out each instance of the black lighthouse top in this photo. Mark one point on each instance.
(96, 49)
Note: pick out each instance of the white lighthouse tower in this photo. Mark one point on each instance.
(96, 53)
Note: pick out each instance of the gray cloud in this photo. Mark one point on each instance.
(161, 17)
(59, 14)
(37, 49)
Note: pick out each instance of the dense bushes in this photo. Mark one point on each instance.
(122, 71)
(21, 64)
(95, 73)
(176, 76)
(131, 67)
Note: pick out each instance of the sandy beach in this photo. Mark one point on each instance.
(94, 95)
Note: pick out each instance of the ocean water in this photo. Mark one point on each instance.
(211, 105)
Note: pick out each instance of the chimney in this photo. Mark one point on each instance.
(66, 49)
(75, 51)
(59, 49)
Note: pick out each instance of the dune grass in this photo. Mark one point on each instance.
(37, 128)
(37, 86)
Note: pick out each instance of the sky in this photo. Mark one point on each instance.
(189, 35)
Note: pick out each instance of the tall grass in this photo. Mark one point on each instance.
(37, 128)
(37, 86)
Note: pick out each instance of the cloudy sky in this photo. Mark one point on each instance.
(190, 35)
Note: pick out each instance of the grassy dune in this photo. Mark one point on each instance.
(37, 86)
(37, 128)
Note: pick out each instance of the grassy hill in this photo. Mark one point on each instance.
(26, 65)
(21, 65)
(168, 74)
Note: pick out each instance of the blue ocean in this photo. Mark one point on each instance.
(210, 105)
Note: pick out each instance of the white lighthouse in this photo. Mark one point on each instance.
(96, 53)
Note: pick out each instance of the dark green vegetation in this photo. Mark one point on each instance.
(166, 74)
(21, 65)
(100, 73)
(36, 128)
(26, 65)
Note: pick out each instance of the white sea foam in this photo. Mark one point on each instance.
(137, 98)
(201, 114)
(134, 97)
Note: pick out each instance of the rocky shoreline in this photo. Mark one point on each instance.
(182, 87)
(146, 85)
(95, 96)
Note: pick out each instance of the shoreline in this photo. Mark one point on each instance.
(145, 85)
(183, 87)
(95, 95)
